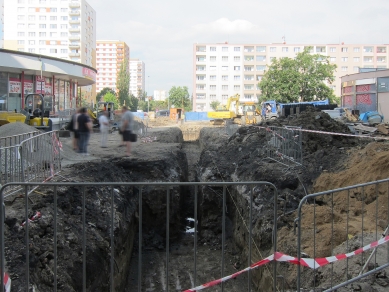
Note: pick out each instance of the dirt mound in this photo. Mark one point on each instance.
(15, 129)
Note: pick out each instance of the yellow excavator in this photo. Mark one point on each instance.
(240, 113)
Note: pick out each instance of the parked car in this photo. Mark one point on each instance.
(162, 113)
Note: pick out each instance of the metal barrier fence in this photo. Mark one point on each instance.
(341, 221)
(284, 145)
(36, 159)
(16, 139)
(65, 116)
(80, 212)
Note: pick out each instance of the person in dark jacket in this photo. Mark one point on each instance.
(84, 130)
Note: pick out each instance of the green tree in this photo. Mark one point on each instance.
(103, 92)
(299, 79)
(123, 84)
(109, 97)
(214, 104)
(158, 104)
(179, 96)
(132, 103)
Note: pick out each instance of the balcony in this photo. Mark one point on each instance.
(74, 4)
(74, 54)
(74, 12)
(74, 46)
(74, 29)
(74, 21)
(74, 38)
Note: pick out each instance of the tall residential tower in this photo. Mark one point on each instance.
(137, 77)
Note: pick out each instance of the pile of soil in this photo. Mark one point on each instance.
(15, 129)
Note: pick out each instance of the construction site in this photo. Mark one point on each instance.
(282, 204)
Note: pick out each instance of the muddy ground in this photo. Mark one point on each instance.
(329, 162)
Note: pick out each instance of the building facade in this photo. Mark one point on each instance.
(137, 77)
(58, 80)
(110, 54)
(223, 70)
(367, 91)
(160, 95)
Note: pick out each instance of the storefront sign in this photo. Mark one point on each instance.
(40, 84)
(89, 74)
(28, 87)
(15, 86)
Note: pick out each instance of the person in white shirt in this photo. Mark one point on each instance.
(104, 128)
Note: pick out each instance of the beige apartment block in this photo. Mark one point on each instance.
(222, 70)
(110, 54)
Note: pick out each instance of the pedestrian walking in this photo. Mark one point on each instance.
(73, 127)
(104, 128)
(126, 128)
(84, 129)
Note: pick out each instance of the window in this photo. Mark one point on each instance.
(42, 42)
(236, 87)
(200, 86)
(368, 49)
(261, 67)
(248, 87)
(259, 77)
(64, 10)
(212, 58)
(42, 25)
(273, 49)
(224, 49)
(344, 50)
(320, 49)
(53, 9)
(20, 17)
(53, 51)
(64, 18)
(64, 34)
(212, 96)
(198, 49)
(224, 96)
(332, 49)
(333, 59)
(224, 68)
(31, 42)
(368, 59)
(285, 49)
(344, 68)
(249, 58)
(296, 49)
(381, 59)
(20, 9)
(236, 58)
(64, 26)
(224, 87)
(248, 68)
(53, 26)
(21, 25)
(356, 69)
(212, 77)
(225, 77)
(21, 1)
(356, 59)
(212, 68)
(212, 49)
(248, 77)
(224, 58)
(42, 34)
(20, 42)
(249, 49)
(248, 96)
(356, 49)
(31, 50)
(261, 49)
(236, 49)
(237, 77)
(31, 25)
(200, 77)
(31, 34)
(53, 18)
(199, 58)
(31, 17)
(344, 59)
(212, 87)
(261, 58)
(236, 68)
(53, 34)
(381, 49)
(42, 17)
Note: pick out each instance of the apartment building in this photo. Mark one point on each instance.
(110, 54)
(222, 70)
(64, 29)
(160, 95)
(137, 76)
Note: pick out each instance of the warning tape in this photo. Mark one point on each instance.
(328, 133)
(280, 257)
(33, 218)
(7, 283)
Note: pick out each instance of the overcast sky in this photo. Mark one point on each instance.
(162, 32)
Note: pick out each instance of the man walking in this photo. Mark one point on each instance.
(84, 129)
(104, 127)
(126, 127)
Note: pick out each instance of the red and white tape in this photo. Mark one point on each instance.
(33, 218)
(280, 257)
(7, 283)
